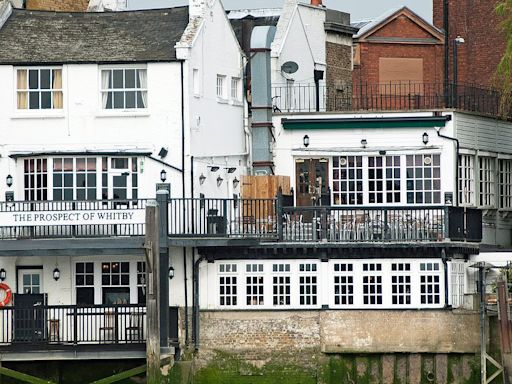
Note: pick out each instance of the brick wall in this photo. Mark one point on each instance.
(339, 64)
(58, 5)
(340, 331)
(477, 22)
(368, 69)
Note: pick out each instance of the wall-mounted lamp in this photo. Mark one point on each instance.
(382, 153)
(163, 175)
(163, 152)
(305, 141)
(3, 274)
(219, 181)
(213, 168)
(425, 138)
(56, 274)
(235, 182)
(202, 178)
(8, 180)
(171, 273)
(231, 169)
(364, 143)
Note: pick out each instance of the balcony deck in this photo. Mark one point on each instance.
(400, 96)
(252, 221)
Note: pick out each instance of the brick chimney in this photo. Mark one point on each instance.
(57, 5)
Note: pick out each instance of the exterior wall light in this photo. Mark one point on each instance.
(425, 138)
(364, 143)
(202, 178)
(56, 274)
(213, 168)
(163, 175)
(8, 180)
(235, 182)
(219, 181)
(231, 169)
(171, 273)
(305, 141)
(3, 274)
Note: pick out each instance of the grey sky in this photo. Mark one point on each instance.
(359, 9)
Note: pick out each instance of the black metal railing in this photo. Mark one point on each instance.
(223, 218)
(72, 325)
(64, 219)
(400, 96)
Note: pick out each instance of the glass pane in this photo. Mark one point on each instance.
(33, 100)
(57, 194)
(118, 78)
(80, 180)
(46, 100)
(45, 78)
(68, 194)
(68, 180)
(130, 100)
(80, 194)
(140, 100)
(57, 180)
(91, 179)
(80, 164)
(33, 79)
(26, 279)
(79, 268)
(35, 279)
(129, 78)
(89, 267)
(118, 100)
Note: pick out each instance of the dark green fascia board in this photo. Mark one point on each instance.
(366, 122)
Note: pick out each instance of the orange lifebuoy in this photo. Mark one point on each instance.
(8, 294)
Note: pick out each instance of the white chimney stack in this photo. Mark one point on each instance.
(107, 5)
(196, 8)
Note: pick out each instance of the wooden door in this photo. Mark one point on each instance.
(312, 181)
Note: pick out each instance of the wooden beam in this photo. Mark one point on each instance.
(122, 375)
(23, 376)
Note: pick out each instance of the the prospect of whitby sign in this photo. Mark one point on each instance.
(72, 217)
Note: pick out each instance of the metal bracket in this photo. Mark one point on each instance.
(148, 251)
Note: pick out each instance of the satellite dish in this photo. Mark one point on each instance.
(290, 67)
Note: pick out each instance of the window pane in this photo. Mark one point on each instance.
(130, 100)
(33, 79)
(118, 100)
(46, 100)
(33, 98)
(118, 78)
(129, 78)
(45, 78)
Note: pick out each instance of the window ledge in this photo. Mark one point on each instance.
(38, 115)
(222, 101)
(123, 113)
(238, 103)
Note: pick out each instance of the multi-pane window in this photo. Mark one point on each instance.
(74, 178)
(235, 89)
(84, 282)
(39, 88)
(141, 282)
(221, 86)
(383, 179)
(486, 168)
(115, 279)
(124, 88)
(457, 274)
(400, 283)
(393, 185)
(343, 284)
(35, 177)
(254, 284)
(467, 180)
(375, 179)
(423, 179)
(281, 284)
(308, 284)
(372, 283)
(228, 285)
(505, 183)
(348, 180)
(430, 283)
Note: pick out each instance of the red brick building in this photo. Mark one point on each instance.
(475, 21)
(60, 6)
(398, 47)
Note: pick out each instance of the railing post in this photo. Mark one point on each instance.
(446, 229)
(385, 232)
(279, 214)
(75, 325)
(162, 197)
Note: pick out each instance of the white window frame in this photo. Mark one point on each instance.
(466, 180)
(254, 279)
(281, 285)
(308, 284)
(486, 182)
(228, 271)
(109, 88)
(401, 278)
(505, 183)
(221, 89)
(431, 276)
(52, 110)
(235, 90)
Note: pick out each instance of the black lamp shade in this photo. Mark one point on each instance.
(56, 274)
(305, 141)
(163, 175)
(3, 274)
(425, 138)
(171, 273)
(8, 180)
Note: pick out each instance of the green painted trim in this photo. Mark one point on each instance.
(356, 123)
(122, 375)
(23, 376)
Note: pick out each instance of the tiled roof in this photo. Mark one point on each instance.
(35, 37)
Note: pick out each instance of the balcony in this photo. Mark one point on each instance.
(403, 96)
(35, 328)
(262, 220)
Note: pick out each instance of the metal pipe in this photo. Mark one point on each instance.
(196, 303)
(446, 22)
(456, 197)
(185, 293)
(445, 263)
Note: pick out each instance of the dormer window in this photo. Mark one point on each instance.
(124, 88)
(39, 88)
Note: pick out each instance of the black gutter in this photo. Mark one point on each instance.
(441, 119)
(82, 153)
(456, 165)
(446, 49)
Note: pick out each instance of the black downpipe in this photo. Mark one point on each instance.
(445, 263)
(446, 50)
(183, 195)
(456, 197)
(196, 302)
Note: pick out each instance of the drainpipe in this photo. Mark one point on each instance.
(446, 49)
(456, 197)
(445, 263)
(196, 303)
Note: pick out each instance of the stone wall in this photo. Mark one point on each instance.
(58, 5)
